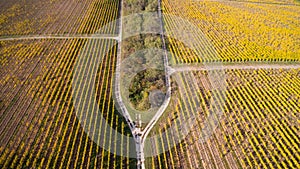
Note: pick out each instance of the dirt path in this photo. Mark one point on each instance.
(66, 36)
(241, 66)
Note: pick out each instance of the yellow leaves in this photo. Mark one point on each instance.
(22, 24)
(3, 18)
(7, 15)
(254, 31)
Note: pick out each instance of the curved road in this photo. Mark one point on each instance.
(139, 134)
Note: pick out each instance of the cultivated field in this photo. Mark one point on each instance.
(57, 17)
(239, 31)
(39, 127)
(259, 127)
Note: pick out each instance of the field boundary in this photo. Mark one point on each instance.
(63, 36)
(241, 66)
(254, 2)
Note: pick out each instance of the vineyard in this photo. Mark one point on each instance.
(59, 105)
(238, 31)
(39, 127)
(37, 113)
(57, 17)
(259, 127)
